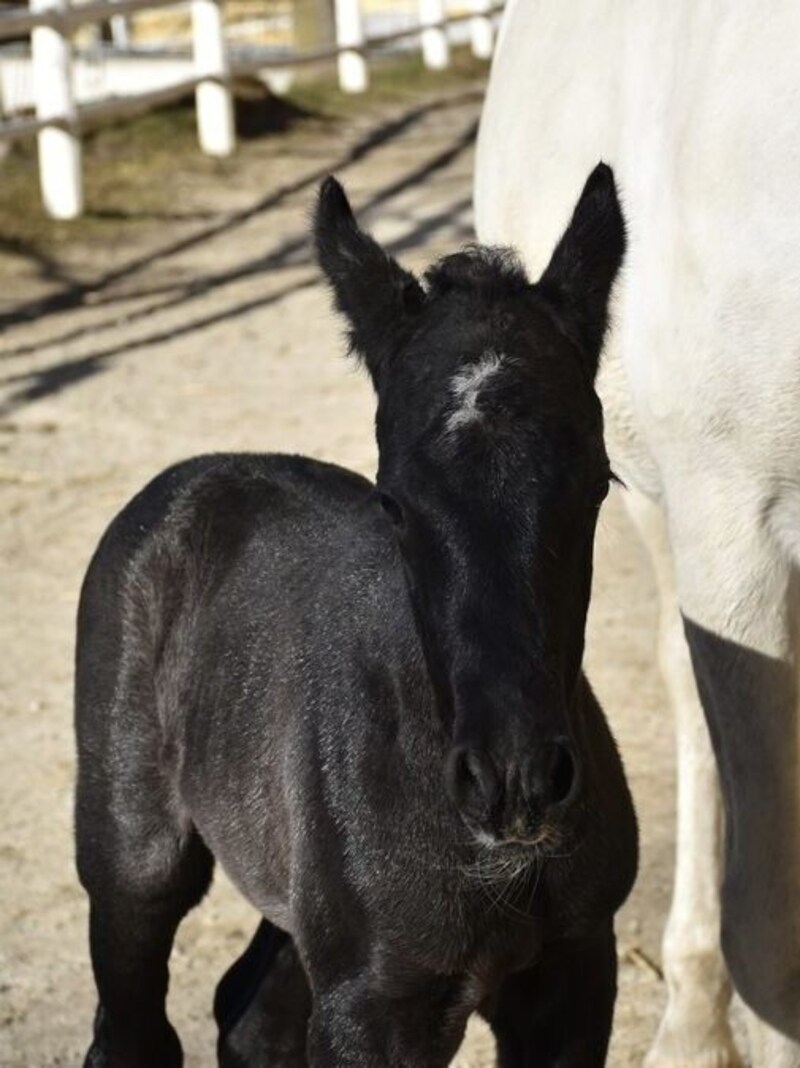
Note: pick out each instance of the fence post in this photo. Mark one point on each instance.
(60, 173)
(120, 32)
(435, 46)
(481, 30)
(215, 129)
(353, 74)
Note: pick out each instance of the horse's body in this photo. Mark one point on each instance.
(696, 105)
(429, 823)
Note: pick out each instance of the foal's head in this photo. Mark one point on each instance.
(492, 471)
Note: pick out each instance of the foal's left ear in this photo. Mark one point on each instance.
(377, 296)
(583, 267)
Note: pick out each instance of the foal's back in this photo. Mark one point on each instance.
(249, 613)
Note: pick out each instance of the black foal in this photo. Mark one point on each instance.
(366, 701)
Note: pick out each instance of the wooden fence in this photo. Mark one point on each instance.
(59, 122)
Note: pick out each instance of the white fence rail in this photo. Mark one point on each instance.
(59, 121)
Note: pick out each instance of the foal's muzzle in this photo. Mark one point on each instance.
(514, 800)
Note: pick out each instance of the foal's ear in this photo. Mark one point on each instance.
(583, 267)
(377, 296)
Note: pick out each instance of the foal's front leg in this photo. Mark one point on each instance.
(357, 1024)
(558, 1014)
(262, 1005)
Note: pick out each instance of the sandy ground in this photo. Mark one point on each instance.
(211, 332)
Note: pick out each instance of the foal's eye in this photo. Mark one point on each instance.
(391, 507)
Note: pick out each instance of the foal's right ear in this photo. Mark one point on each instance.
(376, 295)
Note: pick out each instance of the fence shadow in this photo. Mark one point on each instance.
(74, 294)
(292, 252)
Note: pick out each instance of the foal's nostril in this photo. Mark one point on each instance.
(552, 775)
(471, 780)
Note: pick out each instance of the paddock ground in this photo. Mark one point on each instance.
(197, 323)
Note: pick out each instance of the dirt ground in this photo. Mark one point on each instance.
(205, 328)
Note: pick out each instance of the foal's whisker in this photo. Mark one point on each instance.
(496, 874)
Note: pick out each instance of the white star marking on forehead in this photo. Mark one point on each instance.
(465, 388)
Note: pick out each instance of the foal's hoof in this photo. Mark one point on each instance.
(98, 1057)
(167, 1053)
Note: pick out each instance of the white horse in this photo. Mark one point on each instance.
(696, 104)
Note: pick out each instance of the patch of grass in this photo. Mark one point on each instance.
(129, 171)
(136, 172)
(393, 79)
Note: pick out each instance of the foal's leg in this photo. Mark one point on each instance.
(262, 1005)
(141, 862)
(135, 908)
(558, 1014)
(694, 1031)
(357, 1023)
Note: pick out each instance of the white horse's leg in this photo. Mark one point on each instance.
(739, 590)
(694, 1031)
(768, 1048)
